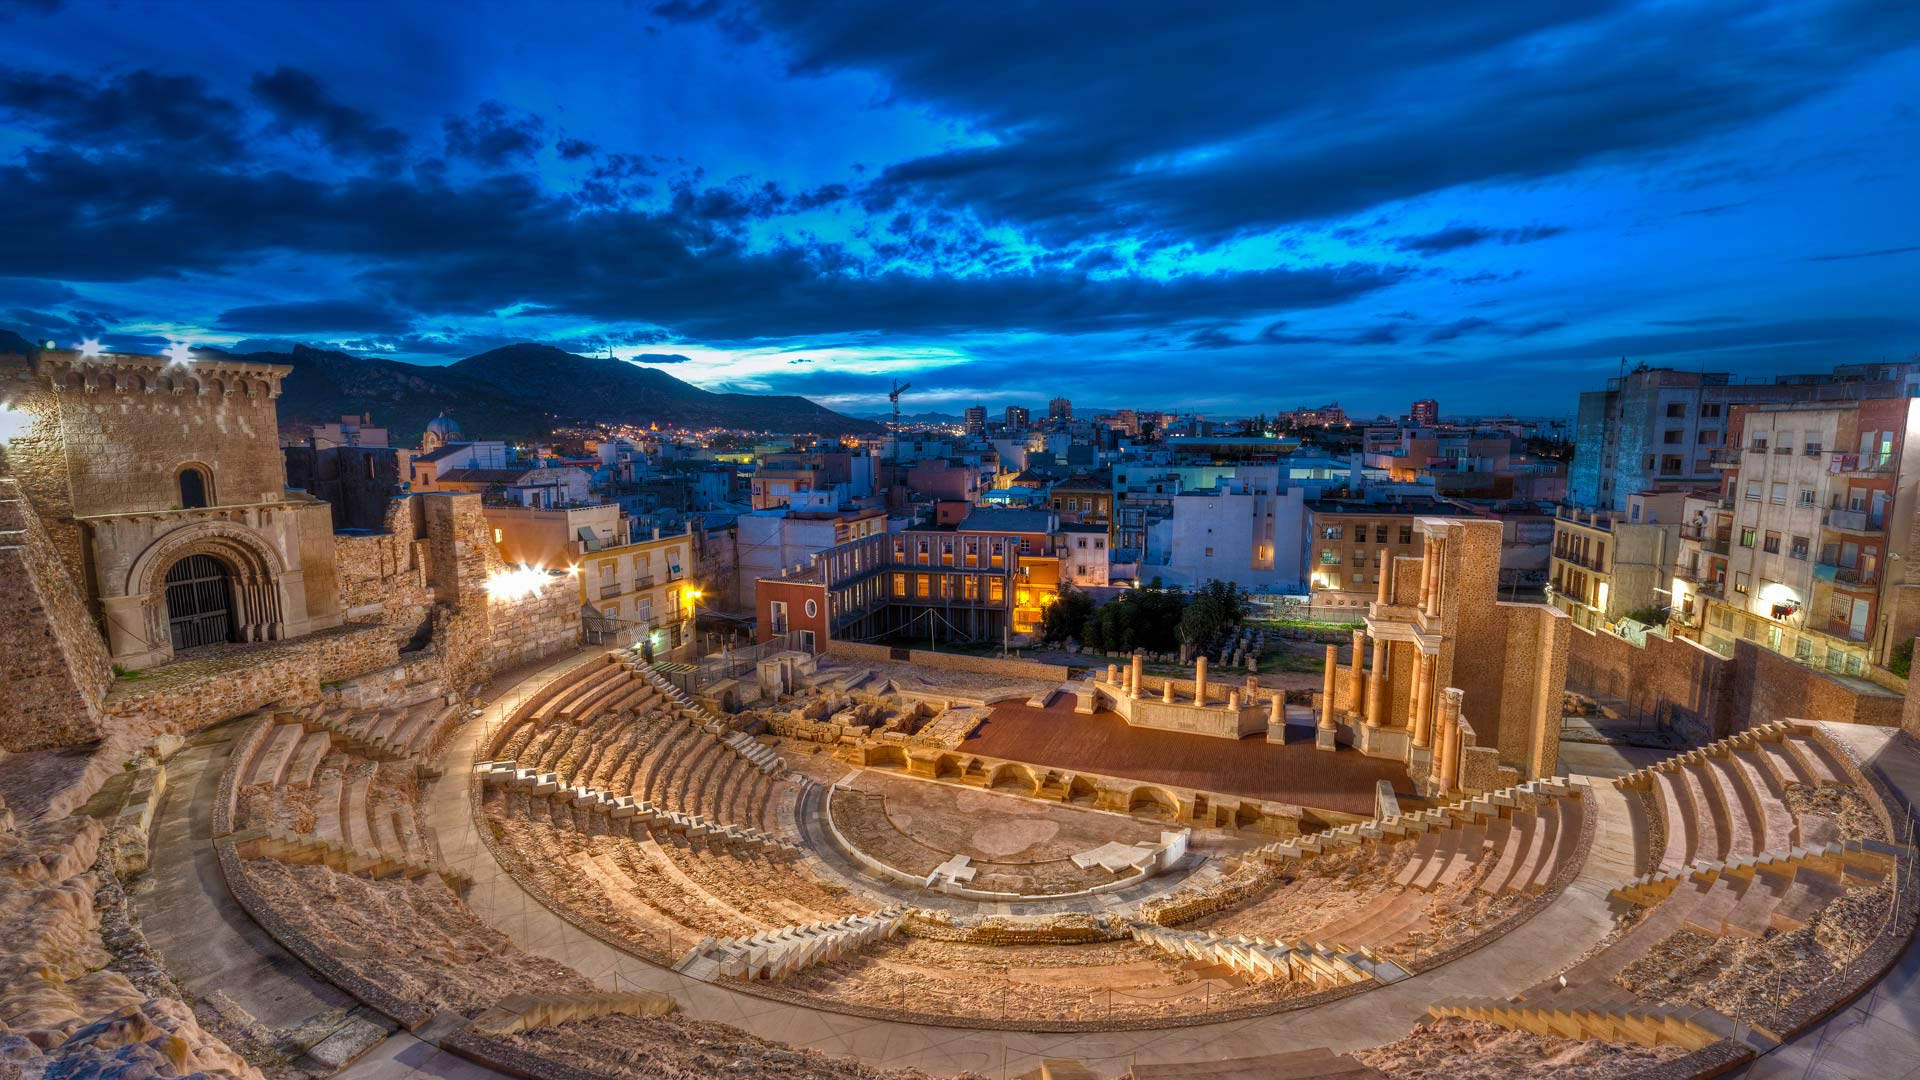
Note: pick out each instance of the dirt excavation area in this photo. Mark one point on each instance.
(1014, 844)
(1454, 1049)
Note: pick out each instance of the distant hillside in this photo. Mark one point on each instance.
(523, 391)
(326, 385)
(599, 388)
(518, 392)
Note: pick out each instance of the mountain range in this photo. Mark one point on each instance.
(520, 392)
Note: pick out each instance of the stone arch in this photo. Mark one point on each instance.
(1082, 791)
(1011, 775)
(949, 767)
(1155, 802)
(254, 565)
(884, 756)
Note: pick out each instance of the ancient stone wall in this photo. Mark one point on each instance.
(1769, 687)
(979, 665)
(1703, 696)
(56, 668)
(186, 697)
(1674, 683)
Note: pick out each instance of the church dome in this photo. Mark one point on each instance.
(441, 430)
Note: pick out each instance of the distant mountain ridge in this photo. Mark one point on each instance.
(518, 392)
(522, 391)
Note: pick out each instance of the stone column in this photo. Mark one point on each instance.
(1138, 670)
(1233, 700)
(1326, 688)
(1439, 563)
(1426, 571)
(1356, 678)
(1277, 711)
(1420, 704)
(1113, 674)
(1385, 595)
(1449, 754)
(1166, 691)
(1377, 685)
(1200, 680)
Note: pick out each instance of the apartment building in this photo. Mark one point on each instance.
(1607, 565)
(1820, 498)
(924, 584)
(643, 588)
(1352, 543)
(1700, 569)
(1661, 429)
(1084, 556)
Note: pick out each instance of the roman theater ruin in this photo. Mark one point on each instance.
(394, 819)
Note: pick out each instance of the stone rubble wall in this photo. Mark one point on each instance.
(56, 669)
(180, 699)
(978, 665)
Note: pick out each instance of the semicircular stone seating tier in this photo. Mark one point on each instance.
(1759, 838)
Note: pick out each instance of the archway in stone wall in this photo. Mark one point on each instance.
(1153, 803)
(163, 573)
(199, 599)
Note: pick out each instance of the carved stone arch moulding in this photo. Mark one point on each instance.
(255, 567)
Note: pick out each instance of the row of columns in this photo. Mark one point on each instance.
(1367, 690)
(1132, 679)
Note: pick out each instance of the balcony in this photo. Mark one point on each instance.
(1846, 577)
(1853, 521)
(1860, 464)
(1724, 459)
(609, 590)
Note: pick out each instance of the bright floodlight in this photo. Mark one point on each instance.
(515, 584)
(90, 348)
(179, 352)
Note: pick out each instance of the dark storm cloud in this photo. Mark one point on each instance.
(299, 103)
(493, 137)
(1816, 339)
(471, 248)
(1455, 237)
(316, 317)
(171, 113)
(1159, 122)
(662, 358)
(1876, 254)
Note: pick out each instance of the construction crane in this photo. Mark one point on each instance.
(894, 396)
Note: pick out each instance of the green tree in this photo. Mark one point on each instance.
(1067, 616)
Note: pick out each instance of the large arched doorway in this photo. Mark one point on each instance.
(199, 602)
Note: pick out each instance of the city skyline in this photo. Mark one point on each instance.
(1492, 207)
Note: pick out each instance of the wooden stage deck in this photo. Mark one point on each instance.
(1295, 773)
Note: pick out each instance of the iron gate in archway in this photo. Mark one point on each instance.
(199, 602)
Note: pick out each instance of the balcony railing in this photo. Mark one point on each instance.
(610, 590)
(1851, 521)
(1853, 576)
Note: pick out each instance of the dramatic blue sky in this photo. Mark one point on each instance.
(1128, 203)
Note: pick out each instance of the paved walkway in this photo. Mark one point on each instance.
(1530, 954)
(209, 943)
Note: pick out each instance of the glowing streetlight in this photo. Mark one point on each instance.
(179, 352)
(90, 349)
